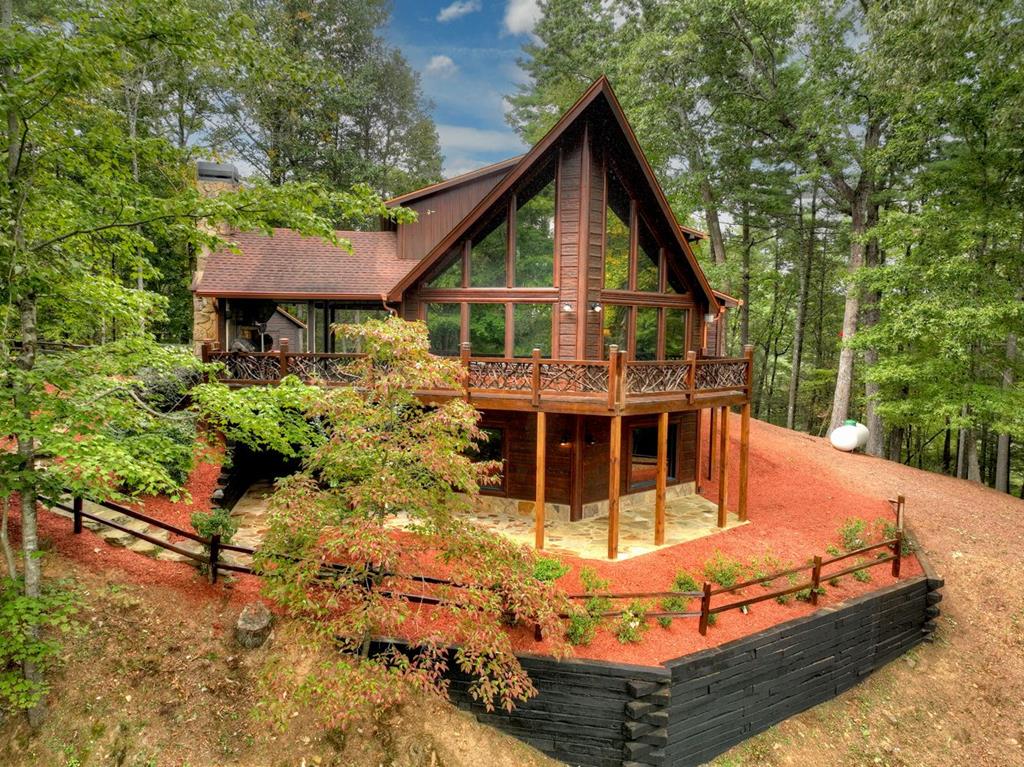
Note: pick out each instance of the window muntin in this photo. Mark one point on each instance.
(534, 264)
(487, 330)
(444, 328)
(648, 260)
(352, 315)
(646, 333)
(532, 328)
(487, 258)
(450, 276)
(616, 324)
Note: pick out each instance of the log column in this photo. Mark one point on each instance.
(538, 497)
(614, 461)
(744, 460)
(662, 480)
(723, 465)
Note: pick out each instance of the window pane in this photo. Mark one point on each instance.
(616, 237)
(347, 315)
(646, 333)
(532, 329)
(487, 259)
(643, 459)
(487, 330)
(535, 240)
(647, 261)
(615, 322)
(317, 328)
(444, 323)
(451, 276)
(675, 334)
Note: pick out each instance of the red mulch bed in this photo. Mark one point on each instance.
(795, 507)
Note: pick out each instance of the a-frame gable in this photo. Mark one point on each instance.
(598, 97)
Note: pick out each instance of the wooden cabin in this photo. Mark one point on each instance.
(592, 341)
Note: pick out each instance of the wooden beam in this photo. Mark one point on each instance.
(712, 443)
(744, 460)
(579, 444)
(698, 455)
(662, 480)
(538, 496)
(723, 465)
(614, 480)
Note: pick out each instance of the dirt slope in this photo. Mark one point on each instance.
(959, 701)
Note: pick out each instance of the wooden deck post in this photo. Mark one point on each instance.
(76, 507)
(712, 443)
(613, 376)
(614, 451)
(691, 376)
(283, 364)
(535, 378)
(744, 460)
(464, 352)
(723, 466)
(538, 496)
(662, 480)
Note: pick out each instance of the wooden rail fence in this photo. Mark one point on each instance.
(816, 566)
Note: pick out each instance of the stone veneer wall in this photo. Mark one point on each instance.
(695, 707)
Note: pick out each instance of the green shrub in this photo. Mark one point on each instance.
(580, 629)
(633, 623)
(861, 576)
(665, 621)
(832, 550)
(21, 617)
(723, 570)
(685, 582)
(591, 582)
(852, 533)
(834, 581)
(549, 569)
(804, 595)
(675, 604)
(785, 599)
(712, 619)
(888, 530)
(217, 521)
(596, 606)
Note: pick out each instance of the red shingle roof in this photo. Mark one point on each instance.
(288, 265)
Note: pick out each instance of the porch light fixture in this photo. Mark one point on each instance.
(595, 307)
(566, 307)
(590, 440)
(565, 441)
(710, 318)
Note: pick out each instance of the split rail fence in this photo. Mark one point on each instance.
(816, 566)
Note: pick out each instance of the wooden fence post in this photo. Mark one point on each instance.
(535, 379)
(76, 506)
(283, 363)
(897, 554)
(705, 609)
(900, 504)
(815, 580)
(214, 556)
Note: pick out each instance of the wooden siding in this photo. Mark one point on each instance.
(569, 178)
(439, 213)
(595, 255)
(520, 431)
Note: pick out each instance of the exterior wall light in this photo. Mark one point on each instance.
(595, 307)
(710, 318)
(566, 307)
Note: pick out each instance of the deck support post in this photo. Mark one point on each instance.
(614, 451)
(744, 460)
(723, 466)
(538, 496)
(662, 480)
(712, 444)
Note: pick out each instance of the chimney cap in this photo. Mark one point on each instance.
(223, 172)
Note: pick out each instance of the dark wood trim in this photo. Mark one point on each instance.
(643, 298)
(634, 240)
(662, 478)
(510, 242)
(614, 480)
(576, 470)
(539, 472)
(723, 468)
(489, 295)
(583, 247)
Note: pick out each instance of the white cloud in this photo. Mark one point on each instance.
(458, 9)
(521, 16)
(459, 139)
(441, 66)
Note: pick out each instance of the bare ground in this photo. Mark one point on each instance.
(959, 701)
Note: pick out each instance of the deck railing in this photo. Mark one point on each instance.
(614, 381)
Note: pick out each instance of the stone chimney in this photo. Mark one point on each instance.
(212, 178)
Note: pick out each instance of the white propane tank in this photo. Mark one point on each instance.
(862, 434)
(845, 438)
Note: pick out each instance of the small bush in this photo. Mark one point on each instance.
(665, 621)
(685, 582)
(852, 533)
(723, 570)
(804, 595)
(591, 581)
(633, 623)
(549, 569)
(580, 629)
(785, 599)
(834, 581)
(596, 606)
(888, 530)
(832, 550)
(712, 619)
(215, 522)
(861, 576)
(675, 604)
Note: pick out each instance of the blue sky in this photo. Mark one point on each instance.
(465, 52)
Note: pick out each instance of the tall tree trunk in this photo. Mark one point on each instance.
(872, 258)
(844, 373)
(1002, 479)
(745, 278)
(707, 198)
(947, 452)
(801, 316)
(973, 465)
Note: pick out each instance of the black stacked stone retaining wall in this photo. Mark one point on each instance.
(699, 705)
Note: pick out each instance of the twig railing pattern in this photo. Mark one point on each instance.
(614, 380)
